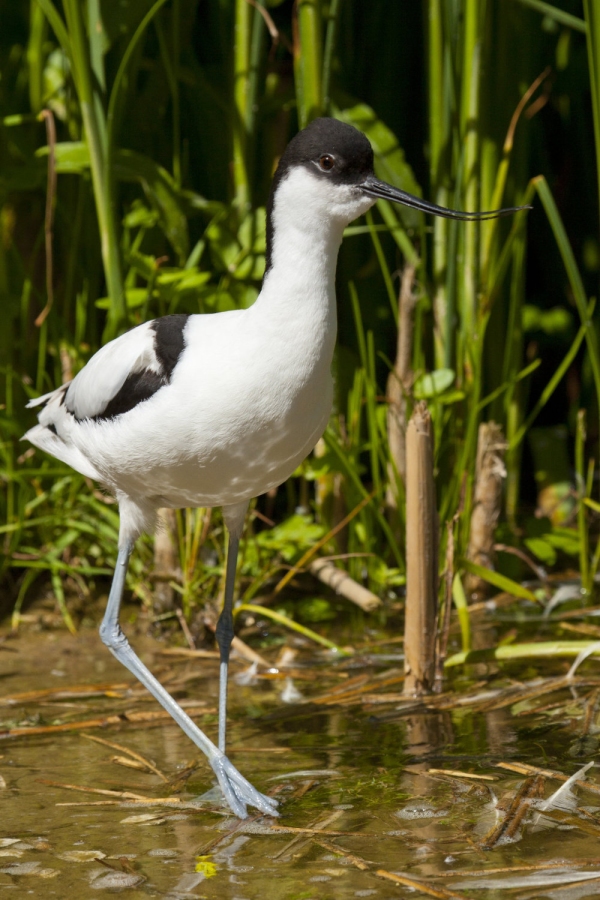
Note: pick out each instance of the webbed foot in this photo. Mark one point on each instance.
(238, 791)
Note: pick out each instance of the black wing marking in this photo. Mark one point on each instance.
(169, 344)
(136, 388)
(168, 341)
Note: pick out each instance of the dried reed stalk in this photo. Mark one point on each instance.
(399, 384)
(330, 501)
(490, 473)
(165, 560)
(421, 556)
(341, 583)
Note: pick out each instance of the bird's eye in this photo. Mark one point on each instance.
(326, 162)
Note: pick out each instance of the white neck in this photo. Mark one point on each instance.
(305, 242)
(308, 218)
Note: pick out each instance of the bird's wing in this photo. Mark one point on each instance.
(129, 358)
(122, 374)
(44, 398)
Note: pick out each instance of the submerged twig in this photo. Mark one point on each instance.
(454, 773)
(147, 718)
(353, 690)
(121, 795)
(525, 769)
(302, 841)
(399, 878)
(519, 807)
(132, 753)
(79, 692)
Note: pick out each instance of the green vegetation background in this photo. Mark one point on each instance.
(170, 117)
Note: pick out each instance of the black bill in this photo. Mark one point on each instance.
(375, 188)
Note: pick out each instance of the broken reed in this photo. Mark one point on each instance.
(489, 477)
(422, 539)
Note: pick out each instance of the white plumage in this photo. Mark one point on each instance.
(212, 410)
(250, 394)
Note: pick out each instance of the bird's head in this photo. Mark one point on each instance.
(327, 169)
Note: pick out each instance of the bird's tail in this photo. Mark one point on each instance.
(46, 439)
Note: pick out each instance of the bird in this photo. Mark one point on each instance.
(212, 410)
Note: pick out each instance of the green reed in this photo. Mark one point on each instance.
(164, 157)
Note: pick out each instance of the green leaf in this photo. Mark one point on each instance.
(215, 299)
(57, 24)
(542, 550)
(315, 609)
(541, 650)
(499, 581)
(565, 539)
(252, 233)
(432, 384)
(557, 320)
(390, 162)
(282, 619)
(135, 297)
(296, 534)
(140, 216)
(73, 157)
(162, 193)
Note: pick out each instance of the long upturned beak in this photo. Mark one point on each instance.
(383, 191)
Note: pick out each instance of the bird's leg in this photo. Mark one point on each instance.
(236, 789)
(224, 635)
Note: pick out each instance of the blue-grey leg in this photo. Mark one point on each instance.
(224, 635)
(236, 789)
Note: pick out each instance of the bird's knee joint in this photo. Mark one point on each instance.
(224, 632)
(113, 637)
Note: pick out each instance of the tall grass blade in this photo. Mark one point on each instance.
(462, 608)
(558, 15)
(308, 60)
(499, 581)
(282, 619)
(573, 275)
(592, 21)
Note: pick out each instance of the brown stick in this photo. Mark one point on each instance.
(490, 474)
(399, 384)
(421, 556)
(165, 559)
(519, 806)
(47, 116)
(342, 584)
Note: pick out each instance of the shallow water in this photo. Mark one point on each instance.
(354, 770)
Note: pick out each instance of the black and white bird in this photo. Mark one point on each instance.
(213, 410)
